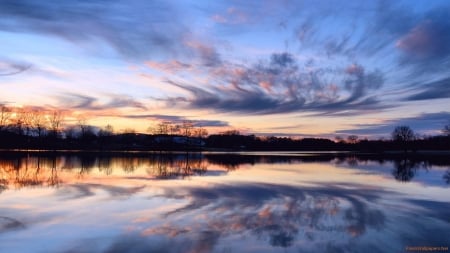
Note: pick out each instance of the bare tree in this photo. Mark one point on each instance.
(200, 132)
(18, 122)
(27, 119)
(446, 130)
(70, 132)
(352, 139)
(174, 129)
(186, 128)
(38, 122)
(129, 130)
(231, 132)
(5, 116)
(108, 130)
(87, 131)
(163, 128)
(403, 134)
(55, 120)
(339, 139)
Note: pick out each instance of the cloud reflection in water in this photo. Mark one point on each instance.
(166, 204)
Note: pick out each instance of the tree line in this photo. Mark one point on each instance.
(30, 128)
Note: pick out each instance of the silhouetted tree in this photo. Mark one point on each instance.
(186, 128)
(105, 135)
(339, 139)
(352, 139)
(403, 134)
(27, 119)
(200, 132)
(70, 132)
(38, 122)
(17, 122)
(129, 131)
(230, 132)
(107, 131)
(163, 128)
(5, 115)
(55, 120)
(86, 131)
(174, 129)
(446, 130)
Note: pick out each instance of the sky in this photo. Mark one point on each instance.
(285, 68)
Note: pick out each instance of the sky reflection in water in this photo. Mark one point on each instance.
(222, 203)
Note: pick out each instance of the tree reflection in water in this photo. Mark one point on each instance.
(29, 172)
(404, 170)
(24, 170)
(446, 176)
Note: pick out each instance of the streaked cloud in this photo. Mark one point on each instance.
(281, 84)
(432, 90)
(421, 124)
(326, 59)
(85, 102)
(9, 68)
(134, 29)
(428, 41)
(180, 119)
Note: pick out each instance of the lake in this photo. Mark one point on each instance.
(223, 202)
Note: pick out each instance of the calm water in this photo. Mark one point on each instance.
(247, 202)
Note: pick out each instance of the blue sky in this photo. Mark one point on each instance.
(293, 68)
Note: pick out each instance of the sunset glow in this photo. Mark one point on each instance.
(283, 68)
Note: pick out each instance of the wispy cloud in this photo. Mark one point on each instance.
(231, 15)
(323, 58)
(282, 84)
(9, 68)
(425, 123)
(134, 29)
(84, 102)
(431, 90)
(180, 119)
(427, 43)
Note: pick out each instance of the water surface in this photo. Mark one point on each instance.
(221, 202)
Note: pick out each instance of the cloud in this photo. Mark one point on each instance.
(322, 218)
(170, 67)
(280, 84)
(393, 33)
(360, 83)
(428, 42)
(134, 29)
(232, 15)
(279, 222)
(120, 101)
(432, 90)
(351, 29)
(425, 123)
(205, 52)
(180, 119)
(83, 190)
(84, 102)
(9, 68)
(7, 224)
(238, 16)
